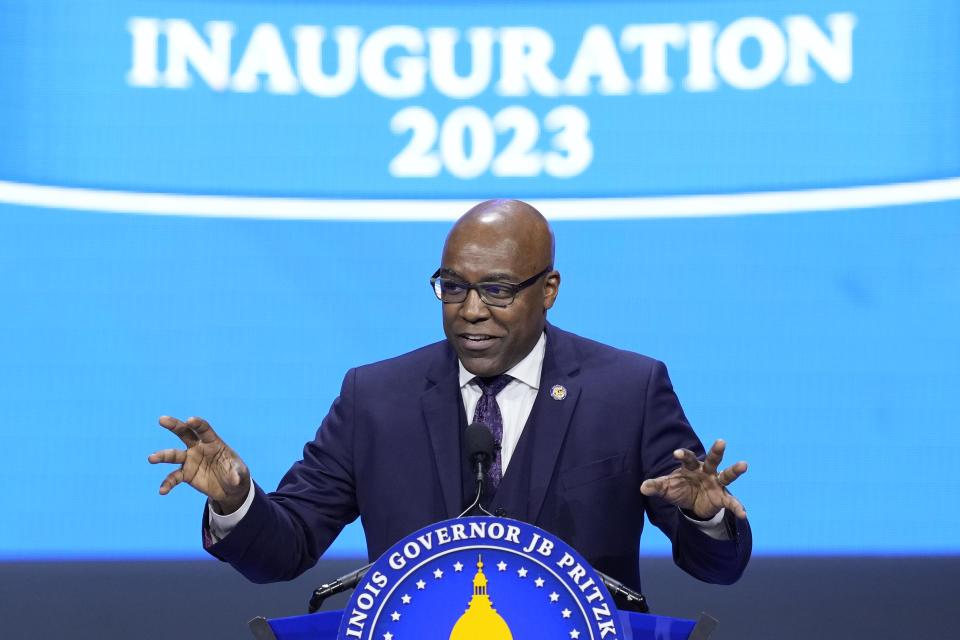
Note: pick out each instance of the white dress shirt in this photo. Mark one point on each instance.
(515, 400)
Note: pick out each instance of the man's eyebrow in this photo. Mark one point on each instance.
(451, 273)
(497, 276)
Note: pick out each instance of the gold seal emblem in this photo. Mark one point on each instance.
(558, 392)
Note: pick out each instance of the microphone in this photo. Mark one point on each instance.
(339, 585)
(625, 597)
(479, 447)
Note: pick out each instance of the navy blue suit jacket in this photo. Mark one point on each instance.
(389, 452)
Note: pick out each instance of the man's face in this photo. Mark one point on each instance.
(489, 340)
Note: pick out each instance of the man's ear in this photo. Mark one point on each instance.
(551, 287)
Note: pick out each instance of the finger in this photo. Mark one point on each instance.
(203, 430)
(688, 459)
(731, 473)
(173, 479)
(169, 422)
(180, 429)
(734, 505)
(714, 457)
(654, 487)
(175, 456)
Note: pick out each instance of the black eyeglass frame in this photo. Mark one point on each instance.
(515, 287)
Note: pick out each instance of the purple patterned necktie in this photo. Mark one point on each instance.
(488, 412)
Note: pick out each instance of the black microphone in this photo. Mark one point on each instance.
(339, 585)
(625, 598)
(480, 446)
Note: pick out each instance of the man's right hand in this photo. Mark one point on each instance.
(208, 464)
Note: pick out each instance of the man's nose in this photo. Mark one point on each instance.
(473, 308)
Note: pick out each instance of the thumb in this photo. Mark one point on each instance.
(652, 487)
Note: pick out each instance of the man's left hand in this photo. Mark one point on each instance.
(697, 486)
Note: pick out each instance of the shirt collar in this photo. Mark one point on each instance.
(526, 371)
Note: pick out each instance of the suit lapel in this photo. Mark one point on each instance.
(441, 413)
(551, 415)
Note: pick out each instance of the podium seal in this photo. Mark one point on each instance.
(480, 578)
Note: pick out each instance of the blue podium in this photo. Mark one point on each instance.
(482, 578)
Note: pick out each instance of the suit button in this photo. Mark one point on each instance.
(500, 512)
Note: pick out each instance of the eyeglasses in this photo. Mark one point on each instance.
(495, 294)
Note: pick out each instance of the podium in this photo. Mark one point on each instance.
(637, 626)
(481, 578)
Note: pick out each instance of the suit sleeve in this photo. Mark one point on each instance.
(285, 532)
(665, 429)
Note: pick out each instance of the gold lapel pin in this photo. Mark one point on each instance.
(558, 392)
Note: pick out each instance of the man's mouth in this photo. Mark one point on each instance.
(477, 341)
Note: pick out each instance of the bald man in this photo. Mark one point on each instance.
(591, 437)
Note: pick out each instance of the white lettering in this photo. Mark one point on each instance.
(597, 56)
(417, 160)
(700, 76)
(602, 610)
(426, 540)
(365, 601)
(525, 54)
(654, 39)
(411, 71)
(596, 594)
(443, 74)
(356, 620)
(265, 55)
(565, 561)
(773, 53)
(576, 573)
(185, 46)
(606, 628)
(533, 543)
(396, 62)
(143, 69)
(546, 548)
(310, 60)
(411, 550)
(806, 40)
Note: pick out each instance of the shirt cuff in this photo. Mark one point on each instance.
(220, 525)
(714, 527)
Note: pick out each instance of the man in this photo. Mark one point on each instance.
(590, 436)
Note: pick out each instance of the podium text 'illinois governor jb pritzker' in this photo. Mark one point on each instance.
(591, 437)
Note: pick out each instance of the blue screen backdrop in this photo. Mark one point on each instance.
(217, 208)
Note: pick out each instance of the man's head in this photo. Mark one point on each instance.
(498, 241)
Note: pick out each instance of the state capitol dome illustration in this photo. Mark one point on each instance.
(480, 621)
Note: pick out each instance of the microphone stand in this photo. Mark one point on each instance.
(481, 464)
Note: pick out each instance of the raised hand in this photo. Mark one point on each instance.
(207, 464)
(697, 486)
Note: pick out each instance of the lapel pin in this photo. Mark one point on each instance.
(558, 392)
